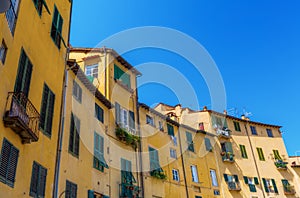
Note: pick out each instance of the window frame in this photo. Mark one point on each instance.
(175, 175)
(270, 133)
(237, 126)
(260, 154)
(173, 153)
(13, 11)
(99, 113)
(74, 120)
(72, 186)
(253, 130)
(77, 91)
(243, 151)
(39, 180)
(194, 171)
(91, 69)
(214, 178)
(56, 28)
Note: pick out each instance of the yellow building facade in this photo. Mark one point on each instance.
(33, 49)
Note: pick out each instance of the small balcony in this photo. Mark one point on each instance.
(281, 165)
(227, 156)
(289, 190)
(224, 133)
(126, 137)
(234, 186)
(128, 190)
(22, 117)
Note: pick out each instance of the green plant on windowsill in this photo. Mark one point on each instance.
(280, 164)
(159, 174)
(126, 137)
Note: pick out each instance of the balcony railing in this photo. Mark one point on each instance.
(225, 133)
(129, 190)
(227, 156)
(22, 117)
(234, 186)
(281, 164)
(289, 190)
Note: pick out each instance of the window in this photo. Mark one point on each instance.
(277, 155)
(131, 121)
(23, 79)
(123, 117)
(237, 126)
(47, 110)
(173, 153)
(232, 181)
(126, 172)
(3, 52)
(99, 113)
(270, 133)
(120, 75)
(270, 185)
(149, 120)
(170, 130)
(190, 142)
(160, 126)
(77, 91)
(194, 174)
(74, 135)
(251, 182)
(253, 130)
(8, 163)
(243, 151)
(39, 6)
(213, 177)
(38, 180)
(198, 196)
(71, 190)
(12, 15)
(56, 28)
(216, 192)
(219, 123)
(208, 145)
(227, 147)
(99, 161)
(91, 71)
(175, 174)
(154, 159)
(260, 154)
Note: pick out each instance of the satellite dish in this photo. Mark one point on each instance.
(4, 5)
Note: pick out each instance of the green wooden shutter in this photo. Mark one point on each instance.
(256, 180)
(189, 139)
(77, 137)
(243, 151)
(34, 180)
(131, 120)
(90, 194)
(208, 145)
(50, 112)
(277, 155)
(99, 113)
(97, 149)
(228, 147)
(226, 177)
(274, 186)
(170, 130)
(246, 180)
(42, 181)
(5, 154)
(236, 178)
(47, 110)
(117, 113)
(13, 162)
(252, 188)
(44, 107)
(265, 185)
(72, 134)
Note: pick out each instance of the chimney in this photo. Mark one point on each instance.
(205, 108)
(225, 112)
(245, 118)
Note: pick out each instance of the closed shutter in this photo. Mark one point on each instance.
(208, 145)
(34, 180)
(131, 120)
(77, 137)
(27, 78)
(5, 155)
(265, 185)
(42, 181)
(44, 107)
(72, 134)
(50, 112)
(256, 180)
(117, 113)
(47, 110)
(189, 139)
(236, 178)
(274, 186)
(24, 74)
(13, 162)
(170, 130)
(99, 113)
(153, 159)
(246, 180)
(277, 155)
(90, 194)
(226, 177)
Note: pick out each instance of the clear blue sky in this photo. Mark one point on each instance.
(255, 44)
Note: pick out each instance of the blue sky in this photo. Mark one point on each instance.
(255, 44)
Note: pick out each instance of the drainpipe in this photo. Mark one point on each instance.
(255, 162)
(62, 114)
(105, 73)
(182, 161)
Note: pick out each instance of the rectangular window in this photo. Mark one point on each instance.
(270, 133)
(77, 91)
(149, 120)
(56, 28)
(243, 151)
(91, 71)
(160, 126)
(277, 155)
(213, 177)
(3, 52)
(38, 180)
(260, 154)
(251, 182)
(12, 15)
(175, 174)
(173, 153)
(194, 174)
(124, 118)
(120, 75)
(126, 173)
(270, 185)
(253, 130)
(237, 126)
(170, 130)
(99, 161)
(74, 138)
(131, 121)
(227, 147)
(23, 79)
(8, 163)
(190, 142)
(208, 145)
(154, 159)
(99, 114)
(71, 190)
(47, 111)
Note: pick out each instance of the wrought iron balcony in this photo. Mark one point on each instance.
(234, 186)
(22, 117)
(225, 133)
(227, 156)
(289, 190)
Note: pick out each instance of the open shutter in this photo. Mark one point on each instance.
(117, 113)
(90, 194)
(170, 130)
(44, 107)
(34, 180)
(77, 137)
(277, 155)
(228, 147)
(226, 177)
(236, 178)
(265, 185)
(13, 162)
(42, 181)
(27, 78)
(50, 113)
(256, 180)
(207, 144)
(71, 137)
(131, 120)
(274, 186)
(246, 180)
(21, 71)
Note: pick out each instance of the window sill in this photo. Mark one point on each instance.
(124, 86)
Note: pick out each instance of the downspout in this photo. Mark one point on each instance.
(62, 113)
(105, 73)
(259, 177)
(182, 161)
